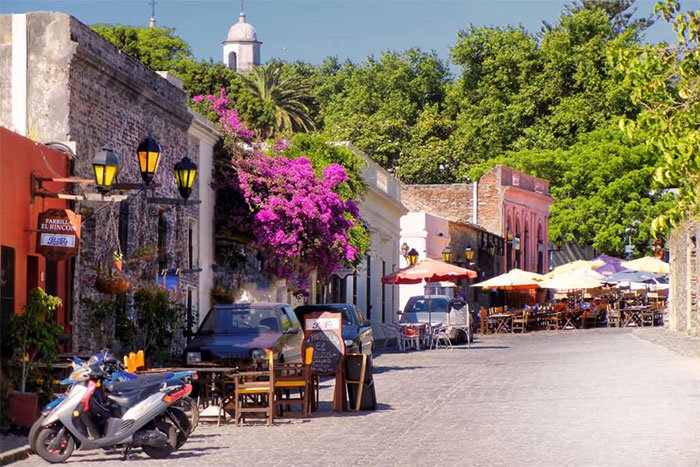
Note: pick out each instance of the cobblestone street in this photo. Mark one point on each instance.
(589, 397)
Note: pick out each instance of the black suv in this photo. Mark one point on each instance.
(357, 331)
(239, 335)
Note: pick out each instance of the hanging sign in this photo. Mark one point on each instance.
(58, 235)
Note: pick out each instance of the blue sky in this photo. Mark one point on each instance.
(312, 30)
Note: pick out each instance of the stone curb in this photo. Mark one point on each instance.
(14, 455)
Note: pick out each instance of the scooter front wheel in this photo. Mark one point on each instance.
(54, 444)
(35, 431)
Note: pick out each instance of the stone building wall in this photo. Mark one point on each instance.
(453, 202)
(84, 90)
(684, 294)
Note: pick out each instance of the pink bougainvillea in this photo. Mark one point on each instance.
(298, 218)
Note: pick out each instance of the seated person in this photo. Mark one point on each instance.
(561, 306)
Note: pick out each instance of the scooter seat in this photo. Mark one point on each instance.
(130, 398)
(154, 377)
(130, 385)
(130, 393)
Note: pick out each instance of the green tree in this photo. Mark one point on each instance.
(665, 81)
(158, 48)
(284, 100)
(375, 105)
(601, 185)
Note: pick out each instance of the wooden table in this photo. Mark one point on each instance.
(502, 322)
(570, 318)
(633, 314)
(210, 380)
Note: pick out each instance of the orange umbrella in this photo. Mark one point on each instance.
(428, 270)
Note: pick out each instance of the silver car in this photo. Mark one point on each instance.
(439, 310)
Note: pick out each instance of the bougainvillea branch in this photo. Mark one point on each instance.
(298, 218)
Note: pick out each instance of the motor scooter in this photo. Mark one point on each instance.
(139, 413)
(115, 371)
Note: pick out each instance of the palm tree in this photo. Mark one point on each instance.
(286, 96)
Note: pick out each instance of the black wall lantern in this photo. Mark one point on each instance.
(106, 165)
(447, 254)
(149, 157)
(490, 248)
(412, 256)
(469, 253)
(185, 173)
(558, 243)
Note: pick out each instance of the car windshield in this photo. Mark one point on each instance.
(240, 319)
(425, 305)
(348, 313)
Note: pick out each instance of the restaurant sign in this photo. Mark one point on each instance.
(58, 234)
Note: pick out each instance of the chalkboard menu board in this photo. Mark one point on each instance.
(328, 351)
(323, 333)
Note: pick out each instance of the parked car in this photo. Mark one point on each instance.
(239, 335)
(357, 331)
(439, 310)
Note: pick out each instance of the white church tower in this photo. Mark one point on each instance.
(241, 47)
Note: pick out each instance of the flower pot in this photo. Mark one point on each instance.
(24, 409)
(111, 285)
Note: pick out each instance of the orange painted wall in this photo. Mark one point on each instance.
(19, 158)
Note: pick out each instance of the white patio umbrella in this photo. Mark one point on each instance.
(572, 280)
(515, 279)
(648, 264)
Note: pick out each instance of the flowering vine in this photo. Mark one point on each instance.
(298, 218)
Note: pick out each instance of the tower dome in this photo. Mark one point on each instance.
(241, 47)
(242, 31)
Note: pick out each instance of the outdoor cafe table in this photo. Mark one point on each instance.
(210, 379)
(633, 314)
(570, 318)
(501, 322)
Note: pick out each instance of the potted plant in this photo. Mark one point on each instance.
(35, 336)
(111, 282)
(117, 258)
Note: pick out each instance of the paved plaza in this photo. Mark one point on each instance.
(585, 398)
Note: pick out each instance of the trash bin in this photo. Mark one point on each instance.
(359, 382)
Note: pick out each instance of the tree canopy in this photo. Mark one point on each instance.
(547, 103)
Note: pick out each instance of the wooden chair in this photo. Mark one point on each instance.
(519, 322)
(255, 393)
(293, 384)
(647, 317)
(589, 317)
(554, 321)
(614, 318)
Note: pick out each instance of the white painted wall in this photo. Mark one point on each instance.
(382, 210)
(429, 235)
(207, 134)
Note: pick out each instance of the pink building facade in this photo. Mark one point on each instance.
(516, 205)
(508, 203)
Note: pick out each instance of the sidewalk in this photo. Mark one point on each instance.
(673, 340)
(13, 448)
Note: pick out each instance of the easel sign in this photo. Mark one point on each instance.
(324, 333)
